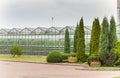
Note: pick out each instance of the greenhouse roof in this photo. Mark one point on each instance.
(41, 30)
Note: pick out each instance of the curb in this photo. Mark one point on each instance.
(63, 64)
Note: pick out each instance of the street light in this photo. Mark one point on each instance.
(52, 21)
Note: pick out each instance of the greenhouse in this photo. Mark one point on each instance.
(118, 31)
(38, 41)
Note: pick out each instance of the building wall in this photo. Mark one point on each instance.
(118, 10)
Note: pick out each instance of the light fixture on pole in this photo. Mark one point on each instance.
(52, 21)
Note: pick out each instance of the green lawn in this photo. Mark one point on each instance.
(24, 58)
(117, 77)
(107, 68)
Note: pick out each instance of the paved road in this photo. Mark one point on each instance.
(31, 70)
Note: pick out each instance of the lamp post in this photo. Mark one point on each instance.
(52, 21)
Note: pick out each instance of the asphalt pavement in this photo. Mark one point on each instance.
(32, 70)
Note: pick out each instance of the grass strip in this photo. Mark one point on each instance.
(107, 68)
(117, 77)
(24, 58)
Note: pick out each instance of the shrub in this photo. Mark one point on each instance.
(15, 50)
(117, 52)
(54, 57)
(117, 49)
(85, 58)
(117, 62)
(111, 59)
(95, 64)
(92, 58)
(66, 55)
(72, 59)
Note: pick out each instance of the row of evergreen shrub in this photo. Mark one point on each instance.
(57, 57)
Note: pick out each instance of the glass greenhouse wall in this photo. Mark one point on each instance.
(118, 31)
(38, 41)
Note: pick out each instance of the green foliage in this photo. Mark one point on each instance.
(107, 42)
(112, 42)
(117, 52)
(81, 41)
(92, 58)
(117, 49)
(66, 55)
(75, 39)
(15, 50)
(24, 58)
(104, 41)
(67, 42)
(95, 36)
(54, 57)
(112, 34)
(117, 62)
(111, 59)
(117, 77)
(85, 58)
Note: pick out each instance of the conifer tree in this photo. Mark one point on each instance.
(67, 42)
(95, 36)
(112, 34)
(104, 42)
(75, 40)
(81, 41)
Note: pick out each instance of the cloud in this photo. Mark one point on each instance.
(65, 12)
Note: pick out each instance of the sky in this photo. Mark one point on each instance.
(39, 13)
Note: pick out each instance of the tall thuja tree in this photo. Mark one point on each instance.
(67, 42)
(75, 40)
(104, 42)
(95, 36)
(81, 41)
(112, 34)
(112, 42)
